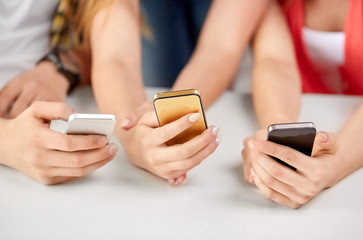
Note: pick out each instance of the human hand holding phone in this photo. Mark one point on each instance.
(47, 156)
(282, 184)
(146, 145)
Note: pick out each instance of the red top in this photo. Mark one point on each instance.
(352, 70)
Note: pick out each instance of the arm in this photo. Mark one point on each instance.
(225, 34)
(116, 59)
(118, 88)
(349, 156)
(333, 157)
(276, 81)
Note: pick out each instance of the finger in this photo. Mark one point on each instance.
(284, 153)
(9, 93)
(261, 134)
(172, 129)
(78, 172)
(81, 158)
(55, 180)
(271, 194)
(135, 116)
(51, 110)
(69, 143)
(187, 149)
(175, 181)
(20, 104)
(282, 173)
(325, 142)
(149, 119)
(182, 179)
(177, 168)
(278, 186)
(246, 164)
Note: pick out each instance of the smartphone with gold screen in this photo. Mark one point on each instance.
(170, 106)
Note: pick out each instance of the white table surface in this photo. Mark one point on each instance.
(120, 201)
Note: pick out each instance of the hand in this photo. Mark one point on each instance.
(42, 83)
(130, 121)
(28, 145)
(285, 186)
(146, 148)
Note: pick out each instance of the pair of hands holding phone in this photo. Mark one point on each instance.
(145, 144)
(282, 184)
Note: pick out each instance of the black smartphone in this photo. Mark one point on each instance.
(299, 136)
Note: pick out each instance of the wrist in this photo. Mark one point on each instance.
(338, 171)
(60, 79)
(65, 66)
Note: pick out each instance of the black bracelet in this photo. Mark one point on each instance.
(73, 78)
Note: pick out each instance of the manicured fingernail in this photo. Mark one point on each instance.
(185, 179)
(253, 173)
(182, 179)
(251, 145)
(102, 141)
(250, 179)
(219, 139)
(172, 181)
(322, 137)
(215, 131)
(194, 117)
(113, 149)
(125, 123)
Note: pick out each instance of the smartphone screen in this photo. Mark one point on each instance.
(171, 106)
(299, 136)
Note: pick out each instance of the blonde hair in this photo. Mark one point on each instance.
(83, 16)
(73, 22)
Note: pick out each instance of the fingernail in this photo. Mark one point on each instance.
(323, 137)
(215, 131)
(194, 117)
(251, 145)
(102, 141)
(125, 123)
(253, 173)
(180, 179)
(185, 179)
(172, 181)
(250, 179)
(219, 139)
(113, 149)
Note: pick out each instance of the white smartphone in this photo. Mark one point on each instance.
(86, 124)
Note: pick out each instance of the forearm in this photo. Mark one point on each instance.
(276, 92)
(118, 88)
(350, 154)
(211, 73)
(225, 34)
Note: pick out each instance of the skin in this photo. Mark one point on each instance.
(47, 156)
(334, 156)
(42, 83)
(116, 77)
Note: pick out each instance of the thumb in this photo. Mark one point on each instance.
(131, 120)
(325, 142)
(51, 110)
